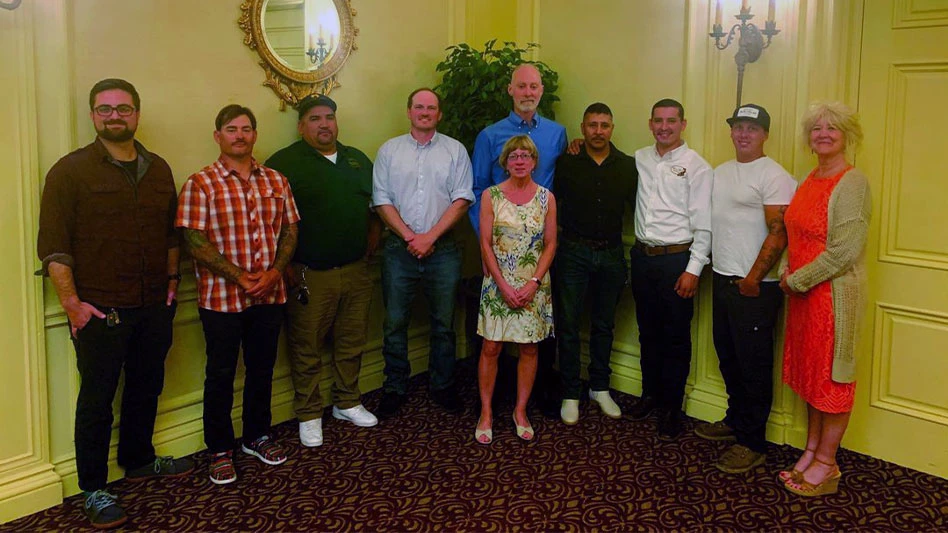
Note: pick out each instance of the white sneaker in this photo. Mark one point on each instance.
(606, 404)
(569, 412)
(311, 433)
(358, 415)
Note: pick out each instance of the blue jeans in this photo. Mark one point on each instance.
(602, 274)
(439, 275)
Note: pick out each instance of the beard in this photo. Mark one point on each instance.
(116, 136)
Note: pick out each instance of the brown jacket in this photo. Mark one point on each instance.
(114, 235)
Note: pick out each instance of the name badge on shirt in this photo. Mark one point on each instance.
(679, 171)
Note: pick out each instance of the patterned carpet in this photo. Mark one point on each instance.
(424, 472)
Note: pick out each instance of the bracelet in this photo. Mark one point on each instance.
(174, 277)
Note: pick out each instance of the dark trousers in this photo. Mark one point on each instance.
(438, 275)
(664, 320)
(744, 340)
(601, 274)
(139, 344)
(257, 329)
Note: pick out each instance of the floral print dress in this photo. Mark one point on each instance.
(517, 243)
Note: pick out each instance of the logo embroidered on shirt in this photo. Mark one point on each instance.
(353, 163)
(679, 171)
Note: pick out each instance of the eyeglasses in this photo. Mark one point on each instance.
(514, 157)
(123, 110)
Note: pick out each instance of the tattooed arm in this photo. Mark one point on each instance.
(207, 255)
(770, 251)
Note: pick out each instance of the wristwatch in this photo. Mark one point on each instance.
(536, 279)
(174, 277)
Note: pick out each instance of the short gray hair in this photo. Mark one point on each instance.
(838, 114)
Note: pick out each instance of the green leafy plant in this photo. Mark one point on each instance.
(474, 83)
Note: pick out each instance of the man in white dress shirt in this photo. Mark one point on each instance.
(672, 245)
(751, 193)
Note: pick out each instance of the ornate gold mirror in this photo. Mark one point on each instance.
(302, 43)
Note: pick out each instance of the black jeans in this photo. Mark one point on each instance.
(601, 273)
(139, 344)
(257, 328)
(664, 320)
(744, 340)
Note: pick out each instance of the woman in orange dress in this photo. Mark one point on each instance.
(827, 222)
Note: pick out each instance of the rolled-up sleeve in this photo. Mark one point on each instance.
(381, 183)
(57, 218)
(463, 177)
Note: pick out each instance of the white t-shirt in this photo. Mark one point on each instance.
(738, 197)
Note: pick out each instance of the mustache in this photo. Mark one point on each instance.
(111, 122)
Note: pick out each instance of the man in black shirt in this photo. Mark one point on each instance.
(592, 189)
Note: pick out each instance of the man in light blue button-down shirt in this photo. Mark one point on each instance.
(421, 187)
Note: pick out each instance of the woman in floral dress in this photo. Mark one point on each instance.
(518, 241)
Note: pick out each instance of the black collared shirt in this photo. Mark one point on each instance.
(591, 198)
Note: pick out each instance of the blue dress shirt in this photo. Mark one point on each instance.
(421, 180)
(549, 137)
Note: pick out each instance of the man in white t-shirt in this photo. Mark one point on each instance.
(749, 197)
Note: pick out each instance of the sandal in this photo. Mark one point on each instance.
(480, 434)
(830, 485)
(793, 474)
(524, 432)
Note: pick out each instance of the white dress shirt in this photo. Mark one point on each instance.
(673, 204)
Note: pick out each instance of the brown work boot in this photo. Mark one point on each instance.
(715, 431)
(739, 459)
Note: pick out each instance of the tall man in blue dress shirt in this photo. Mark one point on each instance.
(525, 89)
(421, 187)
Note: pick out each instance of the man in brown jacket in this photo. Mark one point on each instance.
(108, 243)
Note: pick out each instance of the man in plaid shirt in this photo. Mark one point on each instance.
(240, 225)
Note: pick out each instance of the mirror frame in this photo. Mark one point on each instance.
(289, 84)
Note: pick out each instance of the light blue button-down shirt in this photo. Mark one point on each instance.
(549, 137)
(421, 180)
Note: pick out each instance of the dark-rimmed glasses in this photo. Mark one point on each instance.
(123, 110)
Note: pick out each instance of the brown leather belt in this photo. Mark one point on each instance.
(661, 250)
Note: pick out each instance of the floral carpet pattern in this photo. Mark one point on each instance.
(423, 471)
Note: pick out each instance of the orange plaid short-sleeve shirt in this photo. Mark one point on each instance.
(243, 219)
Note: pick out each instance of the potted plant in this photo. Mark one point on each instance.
(474, 83)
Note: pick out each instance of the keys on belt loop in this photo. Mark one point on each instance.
(303, 295)
(112, 319)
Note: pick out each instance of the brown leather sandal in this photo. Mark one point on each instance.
(830, 485)
(797, 476)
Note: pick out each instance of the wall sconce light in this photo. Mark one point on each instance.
(11, 5)
(750, 43)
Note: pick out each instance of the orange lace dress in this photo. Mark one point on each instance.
(808, 346)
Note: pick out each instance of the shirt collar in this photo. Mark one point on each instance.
(517, 121)
(672, 155)
(103, 152)
(224, 171)
(612, 155)
(414, 142)
(340, 149)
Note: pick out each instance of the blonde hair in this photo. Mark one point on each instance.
(837, 114)
(519, 142)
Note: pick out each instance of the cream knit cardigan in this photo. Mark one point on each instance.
(850, 210)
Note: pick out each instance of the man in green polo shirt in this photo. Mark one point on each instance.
(331, 288)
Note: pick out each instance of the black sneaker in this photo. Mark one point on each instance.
(163, 466)
(669, 426)
(265, 449)
(448, 399)
(103, 510)
(643, 408)
(390, 404)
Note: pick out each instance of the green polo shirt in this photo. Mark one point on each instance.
(333, 200)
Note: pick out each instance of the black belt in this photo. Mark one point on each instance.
(594, 244)
(663, 249)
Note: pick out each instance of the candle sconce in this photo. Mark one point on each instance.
(750, 43)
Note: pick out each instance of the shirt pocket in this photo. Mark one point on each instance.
(103, 208)
(272, 204)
